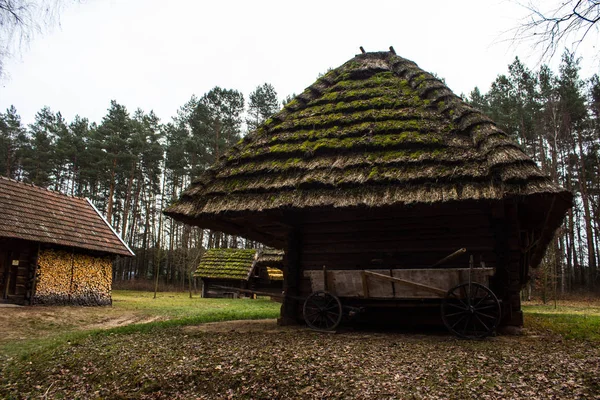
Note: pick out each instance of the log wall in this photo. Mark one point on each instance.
(418, 239)
(210, 291)
(73, 278)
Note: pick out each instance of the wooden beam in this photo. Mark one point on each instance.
(405, 282)
(292, 279)
(450, 257)
(365, 284)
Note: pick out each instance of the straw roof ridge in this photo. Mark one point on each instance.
(376, 131)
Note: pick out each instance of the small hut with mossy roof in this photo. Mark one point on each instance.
(247, 269)
(378, 165)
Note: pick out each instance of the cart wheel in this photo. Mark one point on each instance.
(471, 311)
(322, 311)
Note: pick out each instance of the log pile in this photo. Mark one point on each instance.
(73, 278)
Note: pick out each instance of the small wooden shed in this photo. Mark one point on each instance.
(54, 248)
(378, 165)
(248, 269)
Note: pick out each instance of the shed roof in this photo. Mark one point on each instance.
(32, 213)
(377, 131)
(272, 261)
(271, 258)
(226, 264)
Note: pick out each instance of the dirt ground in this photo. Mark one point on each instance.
(25, 323)
(259, 360)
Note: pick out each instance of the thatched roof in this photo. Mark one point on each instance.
(234, 264)
(240, 264)
(271, 260)
(376, 132)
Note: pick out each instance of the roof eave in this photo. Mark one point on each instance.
(131, 253)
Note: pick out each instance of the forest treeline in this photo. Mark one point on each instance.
(132, 165)
(555, 117)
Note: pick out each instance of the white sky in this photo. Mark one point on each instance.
(155, 54)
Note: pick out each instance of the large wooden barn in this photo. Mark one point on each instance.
(247, 269)
(54, 249)
(378, 165)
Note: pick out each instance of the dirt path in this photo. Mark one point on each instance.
(23, 323)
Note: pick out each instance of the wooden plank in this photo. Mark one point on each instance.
(395, 247)
(416, 283)
(439, 211)
(455, 224)
(365, 284)
(405, 282)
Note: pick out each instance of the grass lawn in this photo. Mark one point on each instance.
(571, 319)
(27, 329)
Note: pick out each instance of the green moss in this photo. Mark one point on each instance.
(419, 79)
(379, 141)
(350, 104)
(373, 156)
(382, 79)
(292, 105)
(371, 128)
(374, 173)
(371, 115)
(226, 263)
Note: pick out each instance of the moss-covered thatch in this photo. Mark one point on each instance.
(271, 260)
(234, 264)
(376, 132)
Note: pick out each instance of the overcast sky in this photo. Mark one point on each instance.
(154, 54)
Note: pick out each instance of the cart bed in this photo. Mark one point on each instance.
(427, 283)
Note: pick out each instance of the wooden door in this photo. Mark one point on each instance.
(4, 275)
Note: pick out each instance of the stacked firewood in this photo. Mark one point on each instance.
(72, 278)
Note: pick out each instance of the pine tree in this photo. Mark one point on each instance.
(262, 105)
(12, 139)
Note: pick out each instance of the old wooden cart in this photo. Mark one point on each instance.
(469, 308)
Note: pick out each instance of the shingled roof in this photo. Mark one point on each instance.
(377, 131)
(226, 264)
(32, 213)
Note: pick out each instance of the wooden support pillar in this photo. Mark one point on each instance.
(204, 288)
(506, 284)
(290, 308)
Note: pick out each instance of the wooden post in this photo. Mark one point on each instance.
(34, 278)
(291, 305)
(203, 292)
(365, 284)
(504, 285)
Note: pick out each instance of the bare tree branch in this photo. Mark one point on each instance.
(21, 20)
(551, 27)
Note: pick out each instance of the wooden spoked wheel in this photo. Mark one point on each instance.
(322, 311)
(471, 311)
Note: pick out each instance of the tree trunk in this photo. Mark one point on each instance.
(111, 192)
